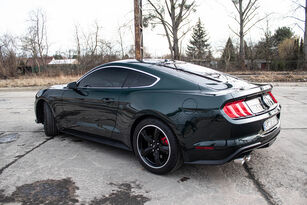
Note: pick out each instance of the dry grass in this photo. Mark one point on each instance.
(261, 76)
(253, 76)
(29, 81)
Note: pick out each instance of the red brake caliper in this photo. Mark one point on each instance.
(164, 141)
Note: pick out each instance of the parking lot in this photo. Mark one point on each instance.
(35, 169)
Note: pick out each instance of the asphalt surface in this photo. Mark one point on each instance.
(35, 169)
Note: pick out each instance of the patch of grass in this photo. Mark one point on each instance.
(30, 81)
(269, 76)
(253, 76)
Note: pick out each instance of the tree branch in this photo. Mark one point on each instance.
(236, 33)
(296, 18)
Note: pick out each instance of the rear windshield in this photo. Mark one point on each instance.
(203, 76)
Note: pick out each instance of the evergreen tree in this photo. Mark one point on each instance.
(229, 53)
(302, 46)
(199, 47)
(281, 34)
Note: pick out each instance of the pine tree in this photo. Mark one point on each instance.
(229, 54)
(199, 47)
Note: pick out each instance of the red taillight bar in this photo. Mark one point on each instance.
(273, 98)
(236, 109)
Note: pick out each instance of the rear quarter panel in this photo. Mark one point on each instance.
(188, 113)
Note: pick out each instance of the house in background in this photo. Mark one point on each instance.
(64, 62)
(259, 64)
(31, 65)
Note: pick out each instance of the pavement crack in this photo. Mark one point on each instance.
(266, 195)
(25, 131)
(23, 155)
(294, 128)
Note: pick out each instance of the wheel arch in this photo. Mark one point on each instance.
(39, 110)
(155, 116)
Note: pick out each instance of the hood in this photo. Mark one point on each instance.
(58, 87)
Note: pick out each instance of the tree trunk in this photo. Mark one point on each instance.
(176, 46)
(305, 39)
(242, 51)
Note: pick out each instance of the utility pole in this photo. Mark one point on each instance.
(138, 26)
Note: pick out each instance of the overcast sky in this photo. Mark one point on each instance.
(62, 15)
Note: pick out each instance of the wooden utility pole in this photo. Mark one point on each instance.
(138, 26)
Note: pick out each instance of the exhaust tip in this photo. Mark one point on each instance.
(242, 160)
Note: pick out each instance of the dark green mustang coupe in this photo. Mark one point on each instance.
(166, 112)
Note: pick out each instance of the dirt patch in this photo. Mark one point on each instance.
(43, 192)
(183, 179)
(123, 195)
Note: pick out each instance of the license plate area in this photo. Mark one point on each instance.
(255, 105)
(270, 123)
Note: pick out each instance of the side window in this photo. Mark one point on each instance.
(106, 77)
(138, 79)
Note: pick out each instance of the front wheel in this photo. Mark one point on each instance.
(156, 146)
(50, 127)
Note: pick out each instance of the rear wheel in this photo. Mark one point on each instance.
(156, 146)
(49, 122)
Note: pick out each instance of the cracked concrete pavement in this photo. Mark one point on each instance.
(36, 169)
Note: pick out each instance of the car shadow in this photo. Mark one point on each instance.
(201, 173)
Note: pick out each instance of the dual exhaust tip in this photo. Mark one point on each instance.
(242, 160)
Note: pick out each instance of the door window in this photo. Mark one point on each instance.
(105, 78)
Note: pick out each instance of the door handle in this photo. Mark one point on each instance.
(107, 100)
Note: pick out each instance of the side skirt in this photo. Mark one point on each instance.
(99, 139)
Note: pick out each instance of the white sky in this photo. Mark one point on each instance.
(62, 15)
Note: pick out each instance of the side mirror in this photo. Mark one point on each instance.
(72, 85)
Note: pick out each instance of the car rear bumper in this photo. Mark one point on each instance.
(229, 150)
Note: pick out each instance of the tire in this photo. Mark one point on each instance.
(156, 147)
(50, 127)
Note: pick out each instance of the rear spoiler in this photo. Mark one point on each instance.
(261, 89)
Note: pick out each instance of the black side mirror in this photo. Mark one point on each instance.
(72, 85)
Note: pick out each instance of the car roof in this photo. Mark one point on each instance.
(172, 71)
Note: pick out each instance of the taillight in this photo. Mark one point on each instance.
(237, 109)
(273, 98)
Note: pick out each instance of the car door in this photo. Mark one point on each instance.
(92, 107)
(136, 82)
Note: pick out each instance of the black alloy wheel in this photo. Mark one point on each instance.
(156, 147)
(153, 146)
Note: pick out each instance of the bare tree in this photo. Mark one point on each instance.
(246, 18)
(35, 41)
(91, 48)
(78, 43)
(300, 5)
(173, 16)
(122, 29)
(8, 55)
(268, 48)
